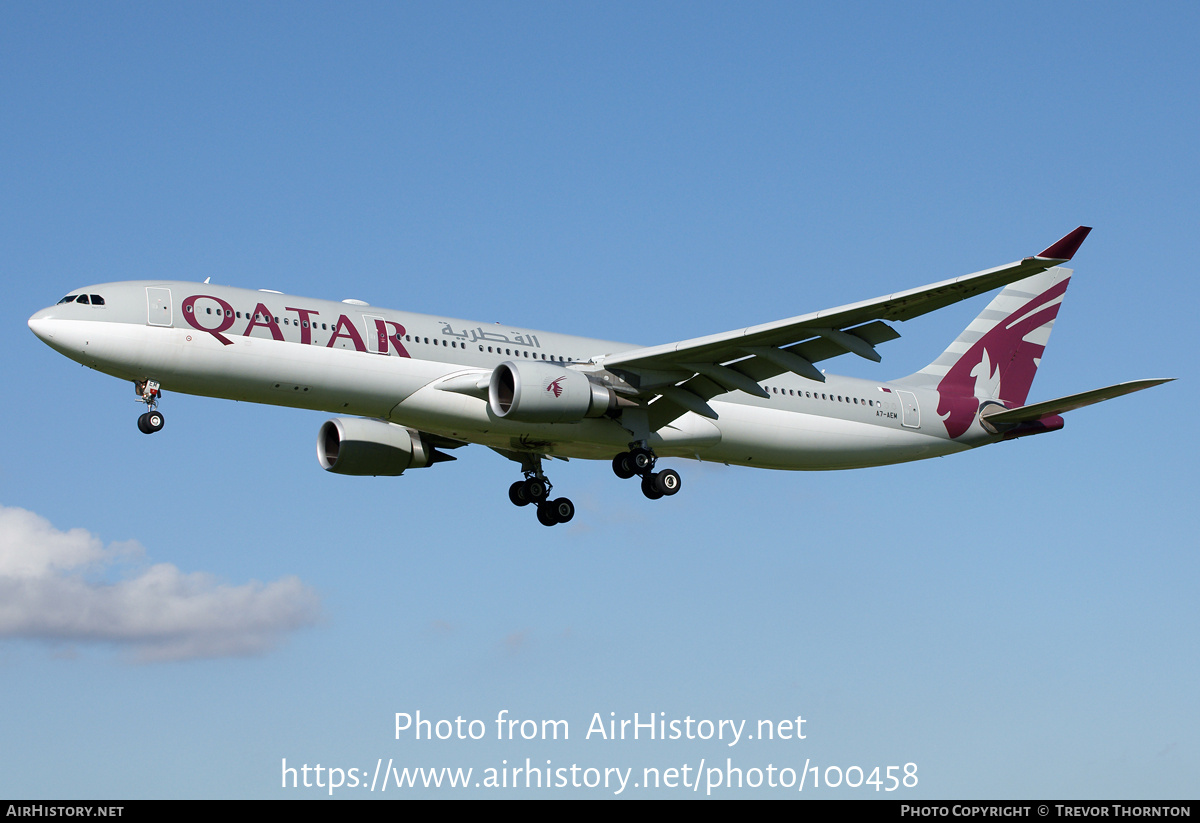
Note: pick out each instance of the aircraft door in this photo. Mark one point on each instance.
(910, 410)
(376, 338)
(158, 306)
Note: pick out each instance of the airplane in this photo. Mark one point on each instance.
(415, 386)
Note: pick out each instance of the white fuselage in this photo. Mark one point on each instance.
(354, 359)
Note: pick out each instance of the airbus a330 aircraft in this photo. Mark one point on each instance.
(416, 385)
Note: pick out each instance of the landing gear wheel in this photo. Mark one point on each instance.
(516, 493)
(150, 422)
(622, 466)
(562, 508)
(642, 460)
(545, 514)
(650, 486)
(668, 482)
(536, 490)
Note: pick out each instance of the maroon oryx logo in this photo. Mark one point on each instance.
(555, 387)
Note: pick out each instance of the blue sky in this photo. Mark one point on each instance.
(1019, 621)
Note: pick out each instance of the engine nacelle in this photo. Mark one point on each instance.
(546, 393)
(354, 445)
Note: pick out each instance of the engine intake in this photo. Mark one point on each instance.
(546, 393)
(355, 445)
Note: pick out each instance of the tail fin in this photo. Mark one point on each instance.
(997, 356)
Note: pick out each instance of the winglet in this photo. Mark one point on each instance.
(1065, 249)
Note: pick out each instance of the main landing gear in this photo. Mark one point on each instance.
(535, 489)
(148, 392)
(640, 461)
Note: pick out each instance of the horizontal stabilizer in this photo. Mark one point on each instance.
(1036, 411)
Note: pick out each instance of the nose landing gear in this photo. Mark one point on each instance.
(148, 392)
(640, 461)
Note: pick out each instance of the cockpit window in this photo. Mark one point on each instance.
(85, 299)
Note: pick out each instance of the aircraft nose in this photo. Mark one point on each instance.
(41, 325)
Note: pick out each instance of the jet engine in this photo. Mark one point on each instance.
(354, 445)
(546, 393)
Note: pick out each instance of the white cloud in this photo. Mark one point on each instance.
(51, 588)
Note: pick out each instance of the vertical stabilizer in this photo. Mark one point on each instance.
(997, 356)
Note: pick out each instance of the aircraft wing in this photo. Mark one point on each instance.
(905, 305)
(689, 373)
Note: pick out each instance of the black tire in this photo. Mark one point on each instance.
(649, 487)
(668, 482)
(143, 426)
(642, 460)
(154, 421)
(563, 509)
(623, 466)
(516, 494)
(545, 514)
(535, 490)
